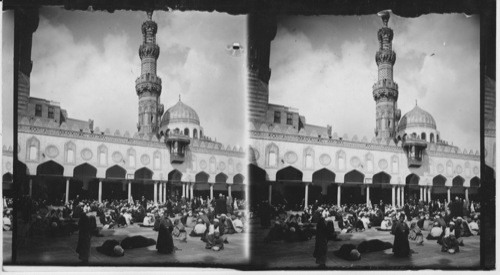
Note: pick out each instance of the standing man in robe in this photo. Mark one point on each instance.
(400, 231)
(321, 245)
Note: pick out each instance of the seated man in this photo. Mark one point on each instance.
(137, 242)
(179, 231)
(373, 246)
(238, 225)
(111, 248)
(449, 241)
(416, 234)
(386, 224)
(215, 241)
(348, 252)
(7, 224)
(199, 229)
(474, 226)
(149, 220)
(436, 232)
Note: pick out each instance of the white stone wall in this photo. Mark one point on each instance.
(209, 160)
(325, 156)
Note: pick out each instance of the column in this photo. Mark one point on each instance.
(467, 193)
(211, 191)
(338, 195)
(270, 192)
(367, 194)
(398, 199)
(100, 191)
(429, 194)
(129, 191)
(31, 187)
(402, 195)
(155, 193)
(229, 190)
(164, 192)
(421, 198)
(161, 192)
(306, 196)
(183, 190)
(393, 195)
(67, 191)
(448, 191)
(424, 193)
(191, 191)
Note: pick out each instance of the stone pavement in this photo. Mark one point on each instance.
(61, 250)
(282, 255)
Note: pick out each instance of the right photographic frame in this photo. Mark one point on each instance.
(361, 160)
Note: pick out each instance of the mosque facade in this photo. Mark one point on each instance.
(295, 162)
(61, 157)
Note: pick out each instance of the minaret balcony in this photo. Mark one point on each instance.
(148, 82)
(414, 149)
(177, 145)
(385, 83)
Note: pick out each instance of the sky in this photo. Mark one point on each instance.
(89, 61)
(325, 66)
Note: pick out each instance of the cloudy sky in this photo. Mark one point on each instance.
(88, 61)
(325, 66)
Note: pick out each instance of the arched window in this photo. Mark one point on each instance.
(414, 135)
(201, 134)
(309, 158)
(70, 149)
(131, 158)
(186, 132)
(449, 168)
(212, 164)
(102, 152)
(341, 160)
(157, 161)
(431, 137)
(369, 162)
(176, 131)
(272, 155)
(195, 133)
(395, 164)
(437, 138)
(423, 136)
(33, 145)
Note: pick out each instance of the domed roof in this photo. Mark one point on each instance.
(180, 113)
(417, 118)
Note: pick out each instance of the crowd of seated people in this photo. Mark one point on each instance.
(446, 222)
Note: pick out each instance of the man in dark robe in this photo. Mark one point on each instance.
(165, 242)
(84, 235)
(321, 245)
(400, 231)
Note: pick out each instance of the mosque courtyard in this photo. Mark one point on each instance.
(61, 250)
(299, 255)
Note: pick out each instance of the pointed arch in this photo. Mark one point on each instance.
(50, 168)
(116, 172)
(354, 177)
(238, 179)
(143, 173)
(289, 173)
(201, 177)
(221, 178)
(412, 179)
(382, 179)
(323, 176)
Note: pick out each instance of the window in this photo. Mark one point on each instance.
(272, 159)
(431, 137)
(156, 161)
(277, 117)
(70, 156)
(51, 112)
(102, 158)
(195, 133)
(341, 160)
(33, 152)
(186, 132)
(309, 161)
(395, 165)
(424, 137)
(289, 118)
(38, 110)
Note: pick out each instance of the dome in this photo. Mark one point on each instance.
(417, 118)
(180, 113)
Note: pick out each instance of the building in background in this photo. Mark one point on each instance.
(297, 163)
(61, 158)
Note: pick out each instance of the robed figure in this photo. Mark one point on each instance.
(165, 242)
(84, 235)
(400, 230)
(321, 245)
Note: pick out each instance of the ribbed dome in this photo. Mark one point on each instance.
(180, 113)
(417, 118)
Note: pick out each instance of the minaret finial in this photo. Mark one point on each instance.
(150, 15)
(385, 16)
(179, 97)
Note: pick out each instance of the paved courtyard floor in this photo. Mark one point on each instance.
(282, 255)
(61, 250)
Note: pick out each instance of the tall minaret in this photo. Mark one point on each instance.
(385, 90)
(148, 85)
